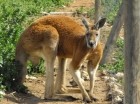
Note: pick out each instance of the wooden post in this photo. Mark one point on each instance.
(97, 10)
(132, 52)
(119, 20)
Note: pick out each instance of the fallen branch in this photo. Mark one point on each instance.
(56, 13)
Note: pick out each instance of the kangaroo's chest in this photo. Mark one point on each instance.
(66, 47)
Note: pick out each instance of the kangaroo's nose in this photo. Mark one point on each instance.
(91, 43)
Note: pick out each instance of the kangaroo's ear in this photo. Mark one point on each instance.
(85, 23)
(100, 23)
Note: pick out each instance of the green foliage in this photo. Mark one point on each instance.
(32, 69)
(110, 9)
(80, 10)
(14, 16)
(61, 2)
(11, 19)
(2, 87)
(117, 62)
(8, 74)
(120, 43)
(90, 13)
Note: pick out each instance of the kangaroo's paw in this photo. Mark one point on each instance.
(92, 97)
(62, 90)
(87, 99)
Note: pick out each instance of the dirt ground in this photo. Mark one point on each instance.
(36, 86)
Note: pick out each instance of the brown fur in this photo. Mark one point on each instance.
(61, 36)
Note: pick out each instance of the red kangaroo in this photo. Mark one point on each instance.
(61, 36)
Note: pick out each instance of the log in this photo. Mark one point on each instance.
(57, 13)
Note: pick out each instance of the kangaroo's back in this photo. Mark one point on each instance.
(69, 32)
(46, 28)
(64, 25)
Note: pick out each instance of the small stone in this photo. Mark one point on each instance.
(30, 77)
(119, 75)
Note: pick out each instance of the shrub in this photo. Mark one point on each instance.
(110, 9)
(117, 62)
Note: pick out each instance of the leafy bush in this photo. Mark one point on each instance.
(117, 62)
(110, 9)
(14, 16)
(2, 87)
(11, 19)
(33, 69)
(90, 13)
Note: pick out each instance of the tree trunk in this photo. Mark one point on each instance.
(132, 52)
(119, 20)
(97, 10)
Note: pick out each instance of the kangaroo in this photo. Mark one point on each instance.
(58, 35)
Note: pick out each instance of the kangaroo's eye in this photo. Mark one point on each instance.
(93, 27)
(96, 34)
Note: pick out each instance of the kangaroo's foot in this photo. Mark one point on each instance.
(92, 97)
(61, 90)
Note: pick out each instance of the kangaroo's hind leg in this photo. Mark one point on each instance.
(60, 79)
(49, 80)
(49, 54)
(92, 74)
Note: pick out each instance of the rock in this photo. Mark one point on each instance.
(30, 77)
(113, 79)
(115, 93)
(104, 73)
(2, 93)
(119, 75)
(117, 100)
(106, 78)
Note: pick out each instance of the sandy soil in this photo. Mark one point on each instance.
(36, 87)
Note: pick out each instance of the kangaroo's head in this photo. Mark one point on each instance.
(92, 33)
